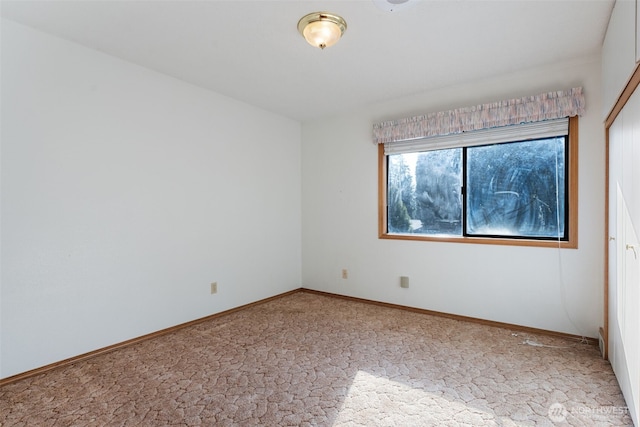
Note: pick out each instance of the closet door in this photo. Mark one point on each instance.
(624, 251)
(631, 227)
(616, 241)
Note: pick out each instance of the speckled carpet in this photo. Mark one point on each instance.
(313, 360)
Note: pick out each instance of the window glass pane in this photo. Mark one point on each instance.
(423, 193)
(517, 189)
(401, 199)
(438, 195)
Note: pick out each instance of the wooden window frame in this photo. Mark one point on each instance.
(571, 243)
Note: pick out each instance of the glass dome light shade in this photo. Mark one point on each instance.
(322, 29)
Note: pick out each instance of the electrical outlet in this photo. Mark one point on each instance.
(214, 287)
(345, 273)
(404, 281)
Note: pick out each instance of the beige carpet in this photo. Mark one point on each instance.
(312, 360)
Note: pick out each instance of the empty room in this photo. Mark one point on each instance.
(320, 213)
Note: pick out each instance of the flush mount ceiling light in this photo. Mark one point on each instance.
(322, 29)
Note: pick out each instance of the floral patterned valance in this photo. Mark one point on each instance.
(550, 105)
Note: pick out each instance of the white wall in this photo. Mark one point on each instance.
(618, 52)
(124, 194)
(558, 290)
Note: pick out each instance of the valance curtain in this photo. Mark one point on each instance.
(546, 106)
(522, 132)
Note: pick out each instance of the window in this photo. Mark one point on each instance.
(515, 186)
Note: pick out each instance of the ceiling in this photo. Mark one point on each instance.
(252, 51)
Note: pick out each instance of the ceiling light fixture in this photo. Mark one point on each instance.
(322, 29)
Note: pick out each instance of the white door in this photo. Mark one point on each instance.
(624, 251)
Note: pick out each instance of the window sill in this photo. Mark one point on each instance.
(572, 244)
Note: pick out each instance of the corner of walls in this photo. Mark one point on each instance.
(125, 193)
